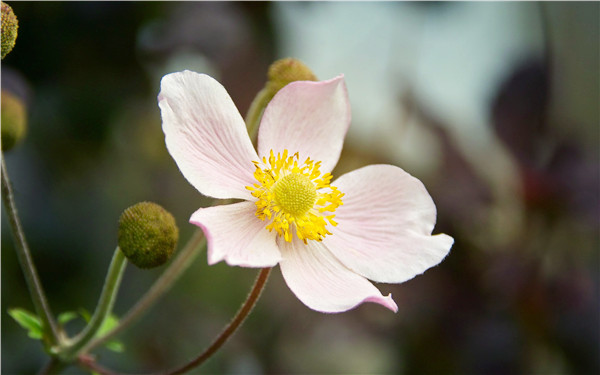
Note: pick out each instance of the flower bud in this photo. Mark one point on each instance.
(10, 24)
(287, 70)
(147, 234)
(14, 120)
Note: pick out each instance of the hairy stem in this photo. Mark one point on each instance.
(88, 362)
(104, 307)
(54, 366)
(237, 321)
(256, 110)
(38, 297)
(175, 269)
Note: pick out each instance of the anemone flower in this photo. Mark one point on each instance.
(329, 238)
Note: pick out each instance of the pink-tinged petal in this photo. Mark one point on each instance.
(385, 224)
(322, 283)
(236, 236)
(307, 117)
(206, 135)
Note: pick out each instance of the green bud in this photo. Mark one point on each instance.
(287, 70)
(148, 234)
(10, 25)
(14, 120)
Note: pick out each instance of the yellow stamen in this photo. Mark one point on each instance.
(294, 196)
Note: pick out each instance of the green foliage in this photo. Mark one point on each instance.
(65, 317)
(35, 329)
(109, 323)
(29, 321)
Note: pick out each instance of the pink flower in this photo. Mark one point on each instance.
(328, 237)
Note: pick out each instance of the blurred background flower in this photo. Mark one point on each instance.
(493, 106)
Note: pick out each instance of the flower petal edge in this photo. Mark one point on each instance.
(307, 117)
(236, 236)
(385, 224)
(206, 135)
(324, 284)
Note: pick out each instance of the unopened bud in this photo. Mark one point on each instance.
(147, 234)
(287, 70)
(10, 24)
(14, 120)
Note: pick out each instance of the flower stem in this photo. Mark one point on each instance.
(256, 110)
(51, 336)
(231, 328)
(88, 362)
(55, 366)
(104, 307)
(160, 286)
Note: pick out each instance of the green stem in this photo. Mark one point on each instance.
(88, 362)
(237, 321)
(51, 336)
(185, 257)
(55, 366)
(256, 110)
(104, 307)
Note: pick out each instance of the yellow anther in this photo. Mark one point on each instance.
(294, 196)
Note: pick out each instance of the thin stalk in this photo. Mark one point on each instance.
(237, 321)
(185, 257)
(104, 307)
(32, 279)
(55, 366)
(256, 110)
(89, 363)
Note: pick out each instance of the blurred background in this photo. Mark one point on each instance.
(494, 106)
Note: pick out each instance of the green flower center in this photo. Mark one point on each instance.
(295, 194)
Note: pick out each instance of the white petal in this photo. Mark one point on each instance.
(235, 235)
(310, 118)
(322, 283)
(384, 226)
(206, 135)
